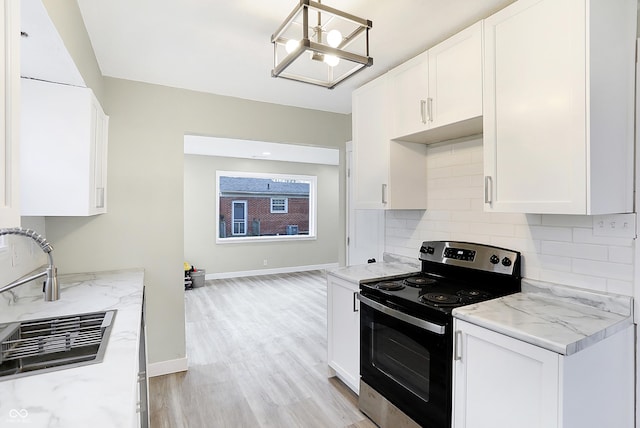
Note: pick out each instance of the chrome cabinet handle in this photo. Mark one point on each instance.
(384, 193)
(423, 105)
(488, 184)
(429, 326)
(430, 109)
(355, 301)
(457, 346)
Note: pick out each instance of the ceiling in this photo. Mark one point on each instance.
(223, 47)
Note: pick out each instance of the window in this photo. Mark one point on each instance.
(279, 205)
(263, 206)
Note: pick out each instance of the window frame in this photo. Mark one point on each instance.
(313, 195)
(233, 218)
(285, 205)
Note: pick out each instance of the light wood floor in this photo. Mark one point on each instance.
(257, 350)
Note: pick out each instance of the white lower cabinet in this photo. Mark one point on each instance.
(343, 335)
(502, 382)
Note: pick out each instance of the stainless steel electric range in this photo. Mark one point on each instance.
(406, 328)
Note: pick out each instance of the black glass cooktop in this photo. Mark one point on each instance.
(431, 292)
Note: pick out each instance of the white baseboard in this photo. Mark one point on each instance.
(167, 367)
(223, 275)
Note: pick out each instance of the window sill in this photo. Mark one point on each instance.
(254, 239)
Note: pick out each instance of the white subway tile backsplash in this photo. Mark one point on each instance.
(574, 280)
(621, 255)
(555, 248)
(620, 287)
(555, 263)
(570, 249)
(518, 244)
(471, 217)
(512, 218)
(450, 204)
(585, 236)
(546, 233)
(459, 170)
(452, 182)
(620, 271)
(392, 222)
(433, 214)
(435, 173)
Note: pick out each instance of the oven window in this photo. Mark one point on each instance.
(402, 359)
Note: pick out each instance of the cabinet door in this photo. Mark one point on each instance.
(501, 382)
(9, 113)
(534, 108)
(370, 144)
(63, 130)
(409, 93)
(344, 331)
(455, 79)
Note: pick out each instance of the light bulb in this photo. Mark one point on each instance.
(291, 45)
(334, 38)
(331, 60)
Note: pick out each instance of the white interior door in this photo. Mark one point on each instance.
(365, 228)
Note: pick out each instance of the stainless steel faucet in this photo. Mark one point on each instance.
(51, 291)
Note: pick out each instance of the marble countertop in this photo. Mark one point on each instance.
(96, 395)
(558, 318)
(359, 273)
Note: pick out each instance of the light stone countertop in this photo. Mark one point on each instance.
(557, 318)
(96, 395)
(359, 273)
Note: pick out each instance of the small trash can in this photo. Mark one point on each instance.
(197, 278)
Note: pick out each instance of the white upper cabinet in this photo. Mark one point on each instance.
(455, 81)
(438, 95)
(63, 151)
(409, 94)
(387, 174)
(9, 113)
(558, 107)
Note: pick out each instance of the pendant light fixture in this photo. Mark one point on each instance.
(320, 45)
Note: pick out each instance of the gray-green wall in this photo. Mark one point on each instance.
(144, 226)
(200, 196)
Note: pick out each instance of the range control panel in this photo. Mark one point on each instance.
(471, 255)
(459, 254)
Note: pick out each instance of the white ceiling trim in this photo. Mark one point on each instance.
(262, 150)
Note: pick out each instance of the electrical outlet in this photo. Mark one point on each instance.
(265, 263)
(615, 225)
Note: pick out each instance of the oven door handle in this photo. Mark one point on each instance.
(432, 327)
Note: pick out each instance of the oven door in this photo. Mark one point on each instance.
(407, 360)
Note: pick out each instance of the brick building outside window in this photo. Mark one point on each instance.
(251, 206)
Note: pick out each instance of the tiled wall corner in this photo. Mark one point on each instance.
(556, 248)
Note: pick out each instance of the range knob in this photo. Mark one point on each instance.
(506, 261)
(494, 259)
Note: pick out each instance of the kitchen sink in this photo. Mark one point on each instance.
(56, 343)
